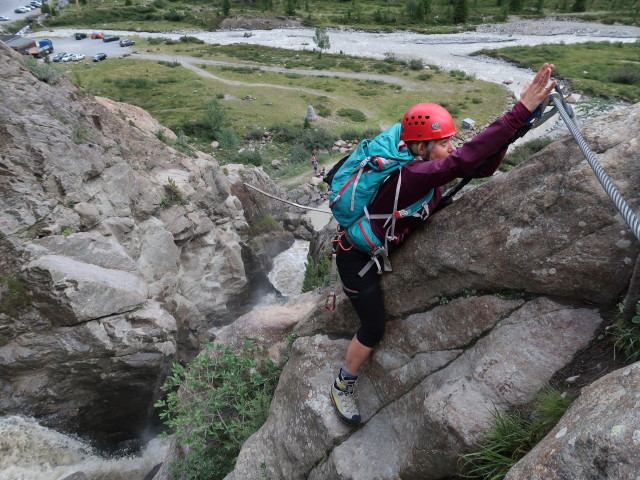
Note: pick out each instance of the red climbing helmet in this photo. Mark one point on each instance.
(427, 121)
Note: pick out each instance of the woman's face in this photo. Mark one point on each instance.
(441, 148)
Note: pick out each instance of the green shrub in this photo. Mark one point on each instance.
(523, 152)
(425, 76)
(155, 40)
(250, 157)
(299, 154)
(45, 72)
(352, 65)
(188, 39)
(264, 225)
(627, 75)
(171, 64)
(316, 276)
(415, 64)
(627, 336)
(353, 134)
(285, 133)
(316, 139)
(514, 434)
(227, 137)
(352, 114)
(13, 295)
(322, 110)
(224, 398)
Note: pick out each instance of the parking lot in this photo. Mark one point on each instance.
(88, 46)
(7, 8)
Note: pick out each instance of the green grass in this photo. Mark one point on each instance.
(595, 68)
(176, 96)
(626, 335)
(513, 434)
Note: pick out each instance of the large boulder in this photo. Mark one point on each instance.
(598, 437)
(547, 227)
(426, 397)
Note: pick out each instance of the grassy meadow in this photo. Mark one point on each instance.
(595, 68)
(176, 95)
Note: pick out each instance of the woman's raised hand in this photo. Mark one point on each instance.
(534, 92)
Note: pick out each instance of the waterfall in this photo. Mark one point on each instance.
(33, 452)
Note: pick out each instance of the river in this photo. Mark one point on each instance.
(32, 452)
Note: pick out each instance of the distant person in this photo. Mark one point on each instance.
(314, 164)
(426, 130)
(323, 172)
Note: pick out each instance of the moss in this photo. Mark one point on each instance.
(13, 295)
(265, 224)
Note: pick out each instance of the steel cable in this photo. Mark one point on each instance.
(603, 178)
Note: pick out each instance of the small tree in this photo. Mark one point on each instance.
(321, 39)
(425, 9)
(289, 7)
(226, 7)
(460, 11)
(579, 6)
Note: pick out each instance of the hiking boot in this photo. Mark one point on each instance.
(343, 397)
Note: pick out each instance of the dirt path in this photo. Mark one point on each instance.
(192, 64)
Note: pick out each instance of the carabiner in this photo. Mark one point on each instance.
(328, 303)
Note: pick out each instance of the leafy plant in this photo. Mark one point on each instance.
(352, 114)
(514, 434)
(265, 224)
(224, 397)
(627, 336)
(316, 275)
(45, 72)
(13, 294)
(174, 194)
(524, 152)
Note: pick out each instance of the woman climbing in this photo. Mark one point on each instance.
(426, 130)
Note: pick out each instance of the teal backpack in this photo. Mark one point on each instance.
(354, 182)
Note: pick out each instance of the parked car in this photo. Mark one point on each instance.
(20, 10)
(80, 36)
(126, 42)
(67, 58)
(76, 57)
(110, 38)
(58, 57)
(99, 57)
(3, 19)
(96, 35)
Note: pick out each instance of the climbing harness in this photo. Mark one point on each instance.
(336, 245)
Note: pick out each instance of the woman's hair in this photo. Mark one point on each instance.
(415, 146)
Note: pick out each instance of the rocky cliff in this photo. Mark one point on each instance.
(117, 255)
(497, 295)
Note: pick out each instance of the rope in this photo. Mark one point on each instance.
(603, 178)
(287, 201)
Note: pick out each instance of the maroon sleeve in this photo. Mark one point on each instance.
(418, 176)
(487, 144)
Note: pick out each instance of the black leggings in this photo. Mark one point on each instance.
(364, 292)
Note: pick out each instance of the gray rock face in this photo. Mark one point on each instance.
(427, 395)
(116, 252)
(598, 437)
(547, 227)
